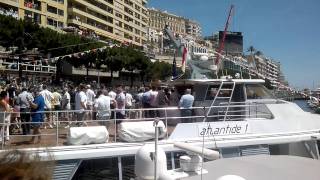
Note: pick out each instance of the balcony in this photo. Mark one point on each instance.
(33, 5)
(69, 70)
(29, 68)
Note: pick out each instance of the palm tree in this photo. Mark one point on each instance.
(251, 49)
(258, 53)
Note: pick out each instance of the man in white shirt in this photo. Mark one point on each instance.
(129, 102)
(81, 103)
(102, 106)
(90, 99)
(112, 94)
(121, 108)
(24, 110)
(65, 105)
(48, 97)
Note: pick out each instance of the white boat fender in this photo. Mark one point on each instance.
(165, 176)
(207, 153)
(88, 135)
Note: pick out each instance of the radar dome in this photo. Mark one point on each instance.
(231, 177)
(144, 162)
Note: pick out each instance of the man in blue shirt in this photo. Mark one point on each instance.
(185, 103)
(37, 109)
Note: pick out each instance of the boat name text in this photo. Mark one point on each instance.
(225, 128)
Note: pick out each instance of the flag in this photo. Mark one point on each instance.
(184, 59)
(174, 67)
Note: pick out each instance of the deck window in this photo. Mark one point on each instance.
(257, 91)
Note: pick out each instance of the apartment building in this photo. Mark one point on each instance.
(193, 28)
(159, 19)
(47, 13)
(121, 20)
(270, 69)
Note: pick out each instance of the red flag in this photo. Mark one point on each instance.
(184, 59)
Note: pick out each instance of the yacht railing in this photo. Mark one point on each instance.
(57, 123)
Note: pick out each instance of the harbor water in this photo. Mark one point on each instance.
(303, 105)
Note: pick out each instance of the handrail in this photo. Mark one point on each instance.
(33, 67)
(169, 114)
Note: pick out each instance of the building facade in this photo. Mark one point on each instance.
(120, 20)
(47, 13)
(193, 28)
(188, 31)
(270, 69)
(159, 19)
(233, 43)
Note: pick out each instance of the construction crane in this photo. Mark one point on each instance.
(221, 47)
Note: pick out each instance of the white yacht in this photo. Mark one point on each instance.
(237, 117)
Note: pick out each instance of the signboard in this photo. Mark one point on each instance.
(223, 128)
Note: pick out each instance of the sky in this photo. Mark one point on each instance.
(287, 31)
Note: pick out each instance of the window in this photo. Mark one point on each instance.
(119, 15)
(60, 12)
(127, 10)
(60, 24)
(52, 9)
(137, 15)
(59, 1)
(257, 91)
(128, 19)
(127, 36)
(51, 22)
(137, 31)
(137, 39)
(137, 7)
(127, 27)
(211, 92)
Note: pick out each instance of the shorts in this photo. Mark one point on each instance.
(36, 122)
(105, 118)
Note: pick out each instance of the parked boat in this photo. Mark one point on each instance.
(236, 117)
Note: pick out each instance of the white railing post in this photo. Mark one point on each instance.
(57, 128)
(166, 118)
(156, 147)
(115, 125)
(2, 131)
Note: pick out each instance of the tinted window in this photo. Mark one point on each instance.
(257, 91)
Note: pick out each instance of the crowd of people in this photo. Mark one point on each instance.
(27, 110)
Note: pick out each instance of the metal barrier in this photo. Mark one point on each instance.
(62, 120)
